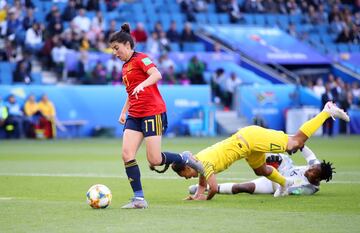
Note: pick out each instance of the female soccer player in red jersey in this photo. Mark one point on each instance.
(146, 113)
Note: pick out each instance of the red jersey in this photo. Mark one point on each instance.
(149, 101)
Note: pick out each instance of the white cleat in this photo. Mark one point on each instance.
(335, 111)
(136, 203)
(283, 190)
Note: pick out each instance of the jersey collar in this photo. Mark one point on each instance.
(131, 57)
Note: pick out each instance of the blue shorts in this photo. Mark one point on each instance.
(149, 126)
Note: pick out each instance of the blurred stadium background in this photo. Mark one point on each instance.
(225, 64)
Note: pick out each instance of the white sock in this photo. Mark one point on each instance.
(225, 188)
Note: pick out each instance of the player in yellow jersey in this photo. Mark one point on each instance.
(251, 143)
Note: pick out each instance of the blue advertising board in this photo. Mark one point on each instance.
(100, 106)
(266, 45)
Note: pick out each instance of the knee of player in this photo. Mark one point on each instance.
(127, 155)
(154, 161)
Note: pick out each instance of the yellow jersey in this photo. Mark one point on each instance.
(30, 108)
(47, 108)
(221, 155)
(250, 142)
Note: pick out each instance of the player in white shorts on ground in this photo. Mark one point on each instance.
(306, 178)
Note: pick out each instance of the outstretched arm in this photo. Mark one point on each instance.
(213, 186)
(309, 156)
(199, 195)
(122, 117)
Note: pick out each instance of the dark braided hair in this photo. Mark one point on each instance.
(326, 171)
(177, 167)
(123, 36)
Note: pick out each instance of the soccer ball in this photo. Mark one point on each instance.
(99, 196)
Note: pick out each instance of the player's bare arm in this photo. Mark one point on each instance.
(213, 186)
(154, 77)
(199, 195)
(122, 117)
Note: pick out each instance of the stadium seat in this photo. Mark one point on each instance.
(240, 2)
(271, 19)
(259, 19)
(224, 18)
(201, 18)
(140, 47)
(140, 18)
(212, 18)
(111, 15)
(322, 29)
(322, 49)
(178, 18)
(103, 7)
(296, 19)
(61, 6)
(174, 47)
(66, 25)
(39, 16)
(137, 8)
(283, 21)
(354, 48)
(174, 7)
(6, 72)
(165, 25)
(159, 2)
(36, 78)
(211, 8)
(249, 19)
(343, 48)
(331, 48)
(315, 38)
(46, 6)
(193, 47)
(91, 14)
(326, 38)
(150, 10)
(151, 21)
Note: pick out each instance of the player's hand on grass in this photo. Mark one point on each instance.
(188, 198)
(199, 197)
(137, 90)
(122, 118)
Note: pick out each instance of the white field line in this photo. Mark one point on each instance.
(93, 175)
(6, 198)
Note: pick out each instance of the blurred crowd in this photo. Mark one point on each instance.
(24, 37)
(342, 17)
(332, 88)
(33, 119)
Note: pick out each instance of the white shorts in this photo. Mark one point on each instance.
(264, 186)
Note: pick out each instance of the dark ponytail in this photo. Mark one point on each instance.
(125, 28)
(123, 36)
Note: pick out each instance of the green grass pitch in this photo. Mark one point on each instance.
(43, 186)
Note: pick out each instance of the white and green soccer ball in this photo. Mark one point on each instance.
(99, 196)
